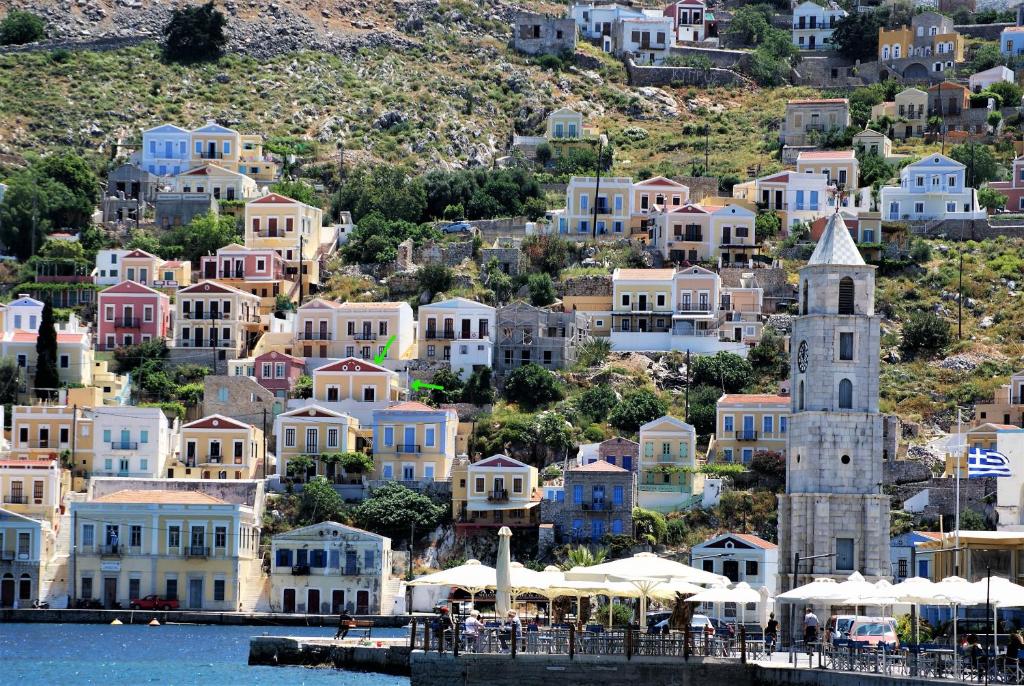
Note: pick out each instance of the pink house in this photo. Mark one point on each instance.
(260, 271)
(131, 313)
(1014, 188)
(277, 372)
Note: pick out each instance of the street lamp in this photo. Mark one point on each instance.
(792, 608)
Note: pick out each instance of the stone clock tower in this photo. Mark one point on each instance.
(833, 503)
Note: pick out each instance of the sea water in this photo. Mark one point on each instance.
(67, 654)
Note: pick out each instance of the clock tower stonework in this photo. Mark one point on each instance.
(833, 505)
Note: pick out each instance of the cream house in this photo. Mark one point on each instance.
(223, 184)
(493, 492)
(318, 433)
(327, 329)
(213, 315)
(292, 228)
(749, 423)
(668, 478)
(218, 447)
(413, 443)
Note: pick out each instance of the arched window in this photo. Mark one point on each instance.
(845, 394)
(803, 307)
(800, 397)
(846, 295)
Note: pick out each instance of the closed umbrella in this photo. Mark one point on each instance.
(503, 573)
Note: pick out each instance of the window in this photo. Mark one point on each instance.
(844, 554)
(846, 345)
(727, 454)
(846, 293)
(86, 587)
(902, 568)
(135, 536)
(751, 569)
(617, 495)
(389, 435)
(478, 485)
(289, 438)
(332, 438)
(144, 436)
(577, 494)
(845, 394)
(65, 361)
(171, 591)
(768, 424)
(428, 436)
(173, 537)
(517, 484)
(222, 395)
(782, 424)
(748, 455)
(727, 423)
(220, 537)
(218, 590)
(88, 535)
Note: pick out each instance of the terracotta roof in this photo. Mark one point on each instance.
(782, 177)
(129, 287)
(499, 461)
(934, 535)
(350, 364)
(27, 463)
(755, 540)
(599, 466)
(274, 199)
(160, 498)
(140, 253)
(688, 209)
(173, 263)
(825, 154)
(817, 101)
(753, 399)
(644, 274)
(414, 406)
(371, 306)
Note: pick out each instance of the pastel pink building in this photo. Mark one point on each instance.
(277, 372)
(131, 313)
(1014, 188)
(260, 271)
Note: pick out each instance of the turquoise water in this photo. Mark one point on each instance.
(51, 654)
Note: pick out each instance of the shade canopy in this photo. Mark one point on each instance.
(471, 577)
(669, 589)
(853, 589)
(1000, 592)
(817, 590)
(739, 593)
(503, 573)
(916, 589)
(644, 566)
(954, 590)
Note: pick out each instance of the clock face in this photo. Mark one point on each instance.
(801, 357)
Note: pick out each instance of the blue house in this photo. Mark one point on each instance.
(900, 554)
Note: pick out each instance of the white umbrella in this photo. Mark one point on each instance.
(646, 571)
(916, 589)
(855, 587)
(819, 589)
(612, 589)
(546, 583)
(741, 593)
(503, 573)
(955, 591)
(668, 589)
(471, 577)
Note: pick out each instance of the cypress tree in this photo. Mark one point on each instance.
(47, 378)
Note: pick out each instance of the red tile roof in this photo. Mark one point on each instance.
(755, 540)
(27, 463)
(413, 406)
(160, 497)
(825, 154)
(599, 466)
(782, 177)
(274, 199)
(350, 364)
(817, 101)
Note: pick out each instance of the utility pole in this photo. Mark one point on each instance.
(686, 401)
(597, 186)
(942, 123)
(707, 146)
(264, 443)
(213, 340)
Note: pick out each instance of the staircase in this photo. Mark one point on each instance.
(54, 585)
(390, 589)
(255, 587)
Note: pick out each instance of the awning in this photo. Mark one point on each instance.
(505, 507)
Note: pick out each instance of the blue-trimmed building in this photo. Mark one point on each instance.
(413, 443)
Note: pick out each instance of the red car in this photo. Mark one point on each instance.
(153, 602)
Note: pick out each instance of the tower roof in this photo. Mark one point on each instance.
(836, 245)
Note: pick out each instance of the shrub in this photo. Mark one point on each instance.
(597, 402)
(18, 28)
(195, 33)
(920, 251)
(725, 370)
(925, 334)
(650, 523)
(636, 409)
(593, 352)
(435, 278)
(542, 289)
(532, 386)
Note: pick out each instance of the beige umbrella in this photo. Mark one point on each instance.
(503, 573)
(471, 577)
(741, 593)
(612, 589)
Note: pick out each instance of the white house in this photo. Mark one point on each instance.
(108, 266)
(931, 188)
(165, 150)
(646, 39)
(690, 17)
(983, 79)
(741, 557)
(23, 314)
(133, 441)
(1010, 489)
(26, 548)
(906, 562)
(458, 330)
(326, 568)
(596, 19)
(813, 25)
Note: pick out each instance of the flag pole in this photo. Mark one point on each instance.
(961, 446)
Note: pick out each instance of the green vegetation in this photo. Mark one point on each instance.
(925, 334)
(636, 409)
(542, 289)
(195, 33)
(393, 509)
(532, 386)
(18, 28)
(47, 381)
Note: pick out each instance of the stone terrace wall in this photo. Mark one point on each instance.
(586, 285)
(719, 57)
(665, 76)
(986, 31)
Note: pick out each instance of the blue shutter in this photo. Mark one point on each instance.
(617, 495)
(577, 494)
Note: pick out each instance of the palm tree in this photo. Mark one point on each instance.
(593, 352)
(582, 556)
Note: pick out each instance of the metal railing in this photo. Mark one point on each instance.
(499, 496)
(745, 435)
(300, 570)
(315, 336)
(126, 323)
(364, 336)
(111, 549)
(16, 499)
(124, 445)
(407, 448)
(197, 551)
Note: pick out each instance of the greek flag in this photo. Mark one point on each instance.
(982, 462)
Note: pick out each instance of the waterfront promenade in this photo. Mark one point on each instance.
(55, 616)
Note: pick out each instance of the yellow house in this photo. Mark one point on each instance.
(33, 488)
(47, 431)
(684, 234)
(654, 195)
(642, 299)
(218, 447)
(173, 274)
(141, 267)
(413, 443)
(565, 130)
(895, 43)
(260, 272)
(597, 308)
(254, 162)
(293, 229)
(837, 166)
(185, 545)
(354, 380)
(496, 491)
(328, 329)
(749, 423)
(1007, 407)
(212, 315)
(612, 202)
(224, 184)
(318, 433)
(668, 477)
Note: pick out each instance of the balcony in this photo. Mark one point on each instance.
(499, 496)
(644, 307)
(300, 570)
(42, 444)
(204, 316)
(15, 499)
(201, 343)
(124, 445)
(232, 274)
(672, 458)
(688, 238)
(111, 550)
(407, 448)
(127, 323)
(214, 459)
(315, 336)
(452, 335)
(664, 488)
(364, 336)
(208, 155)
(745, 435)
(197, 551)
(598, 505)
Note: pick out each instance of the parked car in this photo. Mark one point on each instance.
(874, 631)
(840, 623)
(723, 629)
(456, 227)
(657, 622)
(700, 623)
(153, 602)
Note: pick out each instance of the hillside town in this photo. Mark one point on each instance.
(268, 372)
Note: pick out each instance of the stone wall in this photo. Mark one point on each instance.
(942, 495)
(833, 71)
(596, 284)
(556, 34)
(977, 230)
(448, 254)
(689, 76)
(701, 187)
(905, 471)
(246, 400)
(985, 31)
(719, 57)
(501, 227)
(510, 260)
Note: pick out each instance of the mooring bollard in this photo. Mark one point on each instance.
(629, 644)
(515, 640)
(412, 634)
(686, 642)
(572, 641)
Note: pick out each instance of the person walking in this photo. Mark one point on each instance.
(771, 634)
(447, 627)
(345, 622)
(811, 624)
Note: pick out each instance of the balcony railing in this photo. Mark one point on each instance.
(598, 505)
(499, 496)
(197, 551)
(42, 444)
(315, 336)
(111, 549)
(672, 458)
(364, 336)
(127, 323)
(207, 155)
(746, 435)
(664, 488)
(233, 274)
(16, 499)
(204, 316)
(124, 445)
(453, 335)
(215, 459)
(300, 570)
(407, 448)
(204, 343)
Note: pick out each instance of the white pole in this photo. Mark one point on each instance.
(961, 446)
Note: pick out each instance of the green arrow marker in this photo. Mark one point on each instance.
(379, 357)
(418, 384)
